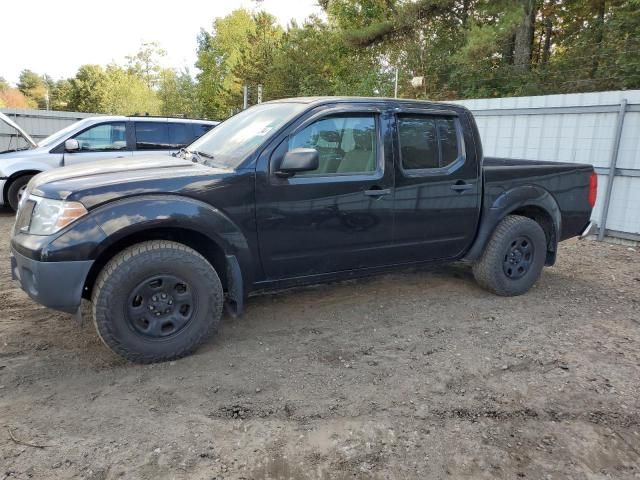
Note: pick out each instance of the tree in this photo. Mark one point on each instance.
(256, 63)
(125, 93)
(219, 53)
(177, 93)
(34, 87)
(14, 98)
(4, 85)
(86, 89)
(146, 63)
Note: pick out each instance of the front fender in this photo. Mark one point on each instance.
(123, 218)
(512, 200)
(13, 167)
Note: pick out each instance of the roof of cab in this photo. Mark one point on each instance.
(320, 100)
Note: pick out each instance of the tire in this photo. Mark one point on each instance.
(157, 301)
(15, 190)
(514, 257)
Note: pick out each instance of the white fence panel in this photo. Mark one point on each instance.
(577, 128)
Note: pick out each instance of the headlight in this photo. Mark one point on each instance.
(50, 216)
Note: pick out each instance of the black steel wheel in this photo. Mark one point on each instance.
(518, 258)
(157, 301)
(161, 305)
(513, 258)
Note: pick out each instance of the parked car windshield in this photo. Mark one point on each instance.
(234, 139)
(60, 135)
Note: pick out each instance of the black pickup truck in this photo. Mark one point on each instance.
(287, 193)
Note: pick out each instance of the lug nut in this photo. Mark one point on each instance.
(170, 302)
(157, 314)
(151, 307)
(164, 295)
(154, 298)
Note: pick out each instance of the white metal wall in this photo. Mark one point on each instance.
(577, 128)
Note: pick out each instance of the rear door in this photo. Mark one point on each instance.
(338, 217)
(437, 194)
(151, 137)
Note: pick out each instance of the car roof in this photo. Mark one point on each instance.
(321, 100)
(148, 118)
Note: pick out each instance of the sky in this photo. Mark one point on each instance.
(57, 37)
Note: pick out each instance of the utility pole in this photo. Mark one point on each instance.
(259, 93)
(395, 90)
(245, 102)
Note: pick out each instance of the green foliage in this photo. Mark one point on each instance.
(86, 93)
(177, 94)
(480, 48)
(462, 49)
(145, 63)
(113, 90)
(219, 53)
(33, 87)
(125, 93)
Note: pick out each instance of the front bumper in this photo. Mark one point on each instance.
(56, 285)
(3, 182)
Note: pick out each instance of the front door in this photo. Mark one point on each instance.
(102, 141)
(437, 194)
(338, 217)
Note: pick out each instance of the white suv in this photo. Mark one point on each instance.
(93, 138)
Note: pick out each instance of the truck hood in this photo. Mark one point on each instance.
(13, 125)
(98, 182)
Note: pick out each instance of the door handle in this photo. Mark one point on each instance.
(377, 192)
(461, 186)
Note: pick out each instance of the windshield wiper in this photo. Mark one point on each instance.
(203, 154)
(181, 153)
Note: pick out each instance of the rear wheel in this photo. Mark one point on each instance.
(513, 258)
(157, 301)
(16, 190)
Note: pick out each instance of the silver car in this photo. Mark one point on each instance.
(90, 139)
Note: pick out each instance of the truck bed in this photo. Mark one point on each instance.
(567, 183)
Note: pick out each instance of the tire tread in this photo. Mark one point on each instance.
(121, 265)
(488, 269)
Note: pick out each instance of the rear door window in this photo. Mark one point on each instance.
(200, 129)
(428, 142)
(180, 134)
(152, 136)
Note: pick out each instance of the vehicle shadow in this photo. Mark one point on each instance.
(6, 212)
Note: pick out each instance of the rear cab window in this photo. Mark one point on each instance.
(429, 143)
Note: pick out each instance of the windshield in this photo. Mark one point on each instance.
(230, 142)
(61, 134)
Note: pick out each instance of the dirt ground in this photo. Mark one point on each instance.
(416, 375)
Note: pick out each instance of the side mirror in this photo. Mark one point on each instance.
(71, 145)
(299, 160)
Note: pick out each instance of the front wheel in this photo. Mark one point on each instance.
(157, 301)
(16, 190)
(514, 257)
